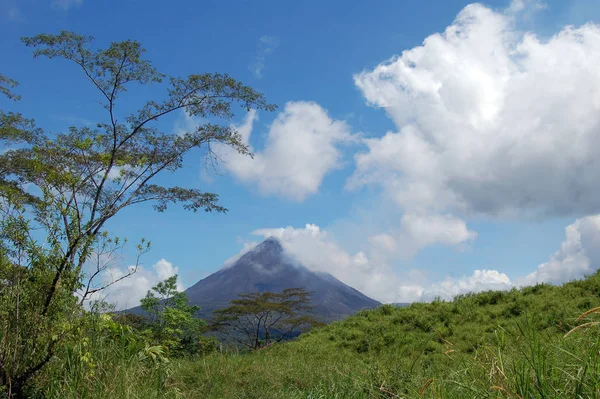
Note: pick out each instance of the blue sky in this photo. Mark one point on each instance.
(446, 170)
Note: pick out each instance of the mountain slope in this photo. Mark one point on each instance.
(267, 268)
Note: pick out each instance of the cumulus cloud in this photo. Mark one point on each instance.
(127, 293)
(301, 148)
(491, 121)
(384, 241)
(67, 4)
(403, 236)
(371, 271)
(265, 47)
(480, 280)
(317, 250)
(578, 256)
(419, 231)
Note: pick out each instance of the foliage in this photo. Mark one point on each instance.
(173, 321)
(134, 321)
(261, 318)
(104, 360)
(6, 84)
(58, 191)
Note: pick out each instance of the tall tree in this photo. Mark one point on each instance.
(57, 191)
(258, 319)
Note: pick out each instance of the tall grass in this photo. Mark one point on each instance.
(108, 361)
(539, 342)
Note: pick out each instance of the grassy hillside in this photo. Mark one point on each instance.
(488, 345)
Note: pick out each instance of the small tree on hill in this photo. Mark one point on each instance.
(173, 321)
(261, 318)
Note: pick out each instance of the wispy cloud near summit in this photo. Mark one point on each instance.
(265, 47)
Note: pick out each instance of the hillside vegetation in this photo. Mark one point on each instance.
(516, 344)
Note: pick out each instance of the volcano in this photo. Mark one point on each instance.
(267, 268)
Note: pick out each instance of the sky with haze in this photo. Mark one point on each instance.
(420, 149)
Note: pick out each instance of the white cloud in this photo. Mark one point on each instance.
(384, 241)
(187, 123)
(127, 293)
(315, 250)
(480, 280)
(301, 148)
(491, 122)
(248, 246)
(318, 251)
(578, 256)
(419, 231)
(67, 4)
(371, 271)
(265, 47)
(519, 6)
(399, 237)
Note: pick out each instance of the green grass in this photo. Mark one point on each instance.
(488, 345)
(108, 364)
